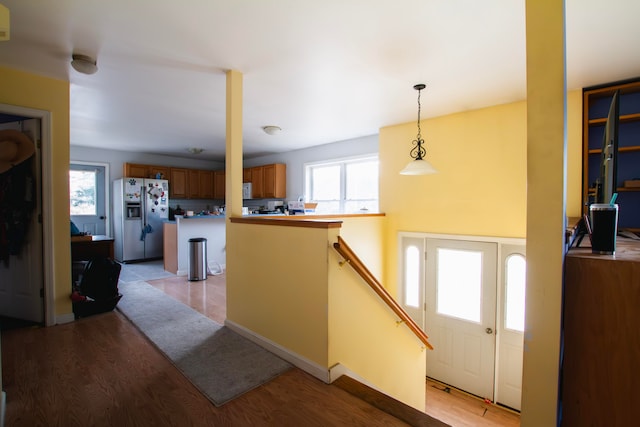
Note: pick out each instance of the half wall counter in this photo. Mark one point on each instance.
(176, 241)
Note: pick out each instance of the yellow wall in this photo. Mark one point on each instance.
(42, 93)
(277, 286)
(480, 188)
(365, 338)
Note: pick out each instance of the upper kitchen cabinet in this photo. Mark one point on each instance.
(206, 184)
(257, 191)
(219, 182)
(274, 181)
(178, 183)
(134, 170)
(246, 175)
(269, 181)
(194, 184)
(159, 172)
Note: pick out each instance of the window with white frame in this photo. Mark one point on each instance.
(344, 185)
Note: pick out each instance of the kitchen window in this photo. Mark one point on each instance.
(343, 185)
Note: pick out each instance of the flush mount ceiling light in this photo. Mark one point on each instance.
(195, 150)
(4, 23)
(271, 130)
(84, 64)
(419, 165)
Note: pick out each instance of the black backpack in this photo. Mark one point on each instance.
(99, 280)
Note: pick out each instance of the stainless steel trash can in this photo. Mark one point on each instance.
(197, 259)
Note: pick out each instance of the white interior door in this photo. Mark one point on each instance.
(87, 193)
(511, 326)
(460, 313)
(21, 279)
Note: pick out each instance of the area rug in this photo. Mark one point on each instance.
(221, 363)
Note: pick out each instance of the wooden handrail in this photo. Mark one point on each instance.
(352, 259)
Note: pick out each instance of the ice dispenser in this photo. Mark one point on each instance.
(133, 210)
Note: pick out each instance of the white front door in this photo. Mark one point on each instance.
(468, 296)
(21, 276)
(460, 313)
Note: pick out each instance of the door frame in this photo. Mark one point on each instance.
(46, 165)
(501, 241)
(107, 190)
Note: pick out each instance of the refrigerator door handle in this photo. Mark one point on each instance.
(143, 199)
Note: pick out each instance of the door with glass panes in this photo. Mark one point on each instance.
(87, 195)
(460, 291)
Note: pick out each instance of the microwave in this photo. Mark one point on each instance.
(246, 190)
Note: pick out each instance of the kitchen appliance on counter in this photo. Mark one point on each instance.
(139, 208)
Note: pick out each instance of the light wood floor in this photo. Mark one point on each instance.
(453, 407)
(101, 371)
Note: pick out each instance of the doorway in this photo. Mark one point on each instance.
(21, 272)
(468, 295)
(88, 193)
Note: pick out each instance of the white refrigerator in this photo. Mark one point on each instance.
(140, 207)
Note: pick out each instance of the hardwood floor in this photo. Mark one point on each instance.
(101, 371)
(454, 407)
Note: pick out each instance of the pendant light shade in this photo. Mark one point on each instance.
(419, 165)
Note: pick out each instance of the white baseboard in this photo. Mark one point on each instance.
(301, 362)
(65, 318)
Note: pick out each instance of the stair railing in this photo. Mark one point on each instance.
(352, 259)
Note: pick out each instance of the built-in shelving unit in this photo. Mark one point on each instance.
(596, 102)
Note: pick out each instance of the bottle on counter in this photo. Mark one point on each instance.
(178, 211)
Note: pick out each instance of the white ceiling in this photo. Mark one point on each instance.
(323, 71)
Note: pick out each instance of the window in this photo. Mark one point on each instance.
(459, 290)
(82, 191)
(516, 275)
(343, 186)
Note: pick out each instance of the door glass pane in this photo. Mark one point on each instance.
(459, 284)
(515, 293)
(82, 192)
(412, 277)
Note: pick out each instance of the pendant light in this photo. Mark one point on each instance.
(419, 165)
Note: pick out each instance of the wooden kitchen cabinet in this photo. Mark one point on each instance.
(194, 184)
(132, 170)
(219, 184)
(178, 183)
(246, 175)
(153, 172)
(206, 184)
(269, 181)
(257, 191)
(135, 170)
(274, 181)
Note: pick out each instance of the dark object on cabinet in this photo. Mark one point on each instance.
(599, 128)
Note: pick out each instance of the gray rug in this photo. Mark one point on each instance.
(221, 363)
